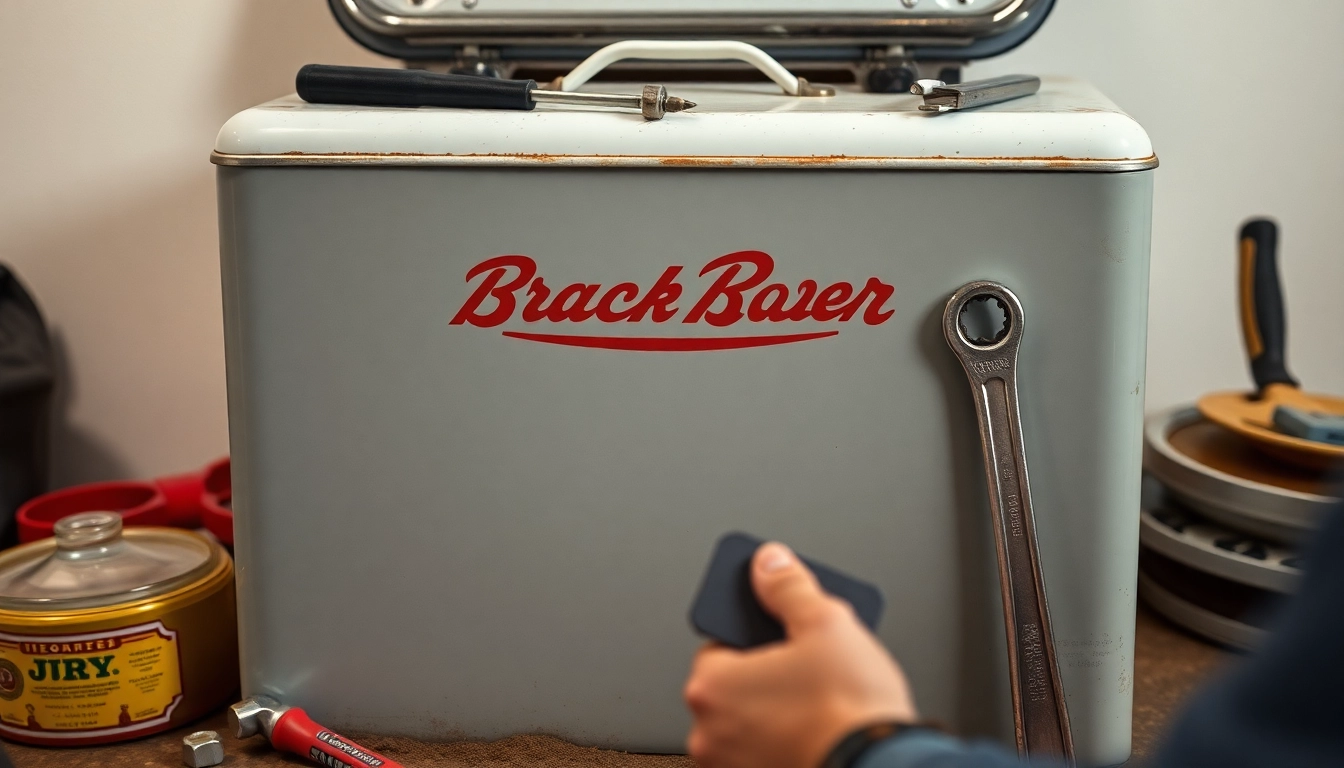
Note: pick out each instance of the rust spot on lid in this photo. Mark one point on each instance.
(693, 162)
(296, 153)
(1053, 161)
(536, 157)
(757, 160)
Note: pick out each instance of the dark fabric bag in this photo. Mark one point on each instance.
(27, 377)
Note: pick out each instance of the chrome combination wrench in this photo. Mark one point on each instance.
(1040, 716)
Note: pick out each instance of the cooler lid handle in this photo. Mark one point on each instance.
(691, 50)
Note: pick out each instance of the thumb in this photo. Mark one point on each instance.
(787, 588)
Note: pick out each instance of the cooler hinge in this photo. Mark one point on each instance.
(891, 69)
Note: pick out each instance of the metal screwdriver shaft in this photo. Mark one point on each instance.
(653, 102)
(371, 86)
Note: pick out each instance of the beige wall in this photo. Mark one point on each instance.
(107, 204)
(107, 198)
(1244, 101)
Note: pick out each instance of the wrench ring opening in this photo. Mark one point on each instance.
(975, 339)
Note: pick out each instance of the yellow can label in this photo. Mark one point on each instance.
(107, 683)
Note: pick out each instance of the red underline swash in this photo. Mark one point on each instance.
(665, 344)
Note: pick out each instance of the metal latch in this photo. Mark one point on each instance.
(941, 97)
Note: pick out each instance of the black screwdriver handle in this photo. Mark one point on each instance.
(373, 86)
(1263, 326)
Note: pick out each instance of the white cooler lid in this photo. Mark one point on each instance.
(1067, 126)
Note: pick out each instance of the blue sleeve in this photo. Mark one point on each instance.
(930, 749)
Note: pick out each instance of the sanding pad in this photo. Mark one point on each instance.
(1253, 418)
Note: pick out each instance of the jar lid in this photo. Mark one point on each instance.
(91, 562)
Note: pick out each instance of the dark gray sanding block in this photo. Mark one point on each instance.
(726, 608)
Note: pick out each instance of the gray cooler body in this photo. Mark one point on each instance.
(463, 514)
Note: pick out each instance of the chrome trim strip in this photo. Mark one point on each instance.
(718, 161)
(817, 28)
(761, 40)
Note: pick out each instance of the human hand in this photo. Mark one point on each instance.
(787, 704)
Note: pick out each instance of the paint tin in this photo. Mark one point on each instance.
(108, 635)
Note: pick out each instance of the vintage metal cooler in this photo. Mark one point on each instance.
(498, 380)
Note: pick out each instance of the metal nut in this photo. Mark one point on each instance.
(202, 749)
(653, 102)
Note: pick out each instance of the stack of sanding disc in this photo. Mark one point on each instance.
(1221, 526)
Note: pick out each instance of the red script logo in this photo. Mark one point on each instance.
(738, 292)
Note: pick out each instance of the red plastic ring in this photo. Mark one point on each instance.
(217, 518)
(138, 503)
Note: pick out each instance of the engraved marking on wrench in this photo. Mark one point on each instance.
(989, 366)
(1034, 655)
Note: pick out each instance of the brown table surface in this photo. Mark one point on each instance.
(1168, 665)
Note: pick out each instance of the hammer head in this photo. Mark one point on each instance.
(254, 715)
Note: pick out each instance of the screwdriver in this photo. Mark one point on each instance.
(289, 729)
(374, 86)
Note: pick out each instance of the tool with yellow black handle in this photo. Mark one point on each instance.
(1264, 331)
(1263, 327)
